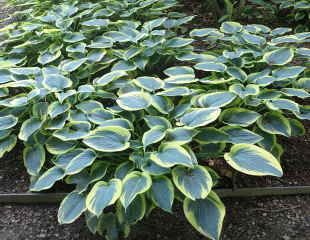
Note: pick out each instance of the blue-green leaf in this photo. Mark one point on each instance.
(239, 117)
(134, 101)
(274, 123)
(8, 122)
(71, 208)
(108, 139)
(200, 117)
(215, 99)
(153, 135)
(134, 184)
(102, 195)
(29, 127)
(211, 67)
(34, 158)
(162, 192)
(194, 183)
(172, 154)
(48, 179)
(279, 57)
(253, 160)
(206, 215)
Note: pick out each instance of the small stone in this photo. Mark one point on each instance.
(42, 235)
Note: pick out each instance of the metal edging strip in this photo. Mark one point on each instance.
(50, 198)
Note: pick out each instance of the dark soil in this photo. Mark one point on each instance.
(4, 14)
(206, 17)
(13, 175)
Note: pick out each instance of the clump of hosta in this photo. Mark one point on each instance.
(95, 114)
(263, 67)
(77, 36)
(300, 12)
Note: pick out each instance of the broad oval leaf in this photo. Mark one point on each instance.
(29, 127)
(162, 193)
(205, 215)
(48, 179)
(297, 128)
(279, 57)
(34, 158)
(178, 42)
(179, 70)
(200, 117)
(108, 139)
(181, 135)
(71, 208)
(8, 122)
(96, 23)
(109, 77)
(89, 106)
(283, 104)
(133, 184)
(56, 146)
(70, 66)
(153, 121)
(194, 183)
(231, 27)
(80, 161)
(7, 144)
(73, 131)
(287, 72)
(56, 82)
(211, 135)
(253, 160)
(102, 195)
(237, 73)
(99, 116)
(211, 67)
(172, 154)
(48, 57)
(274, 123)
(215, 99)
(239, 117)
(149, 83)
(241, 135)
(162, 104)
(135, 211)
(134, 101)
(175, 91)
(153, 135)
(295, 92)
(55, 109)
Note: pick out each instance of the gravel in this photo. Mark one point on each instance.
(247, 219)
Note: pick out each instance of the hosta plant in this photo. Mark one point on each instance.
(120, 106)
(241, 9)
(78, 35)
(296, 12)
(300, 12)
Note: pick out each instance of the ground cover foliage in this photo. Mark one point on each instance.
(113, 98)
(293, 12)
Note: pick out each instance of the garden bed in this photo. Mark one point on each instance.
(273, 217)
(266, 218)
(295, 162)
